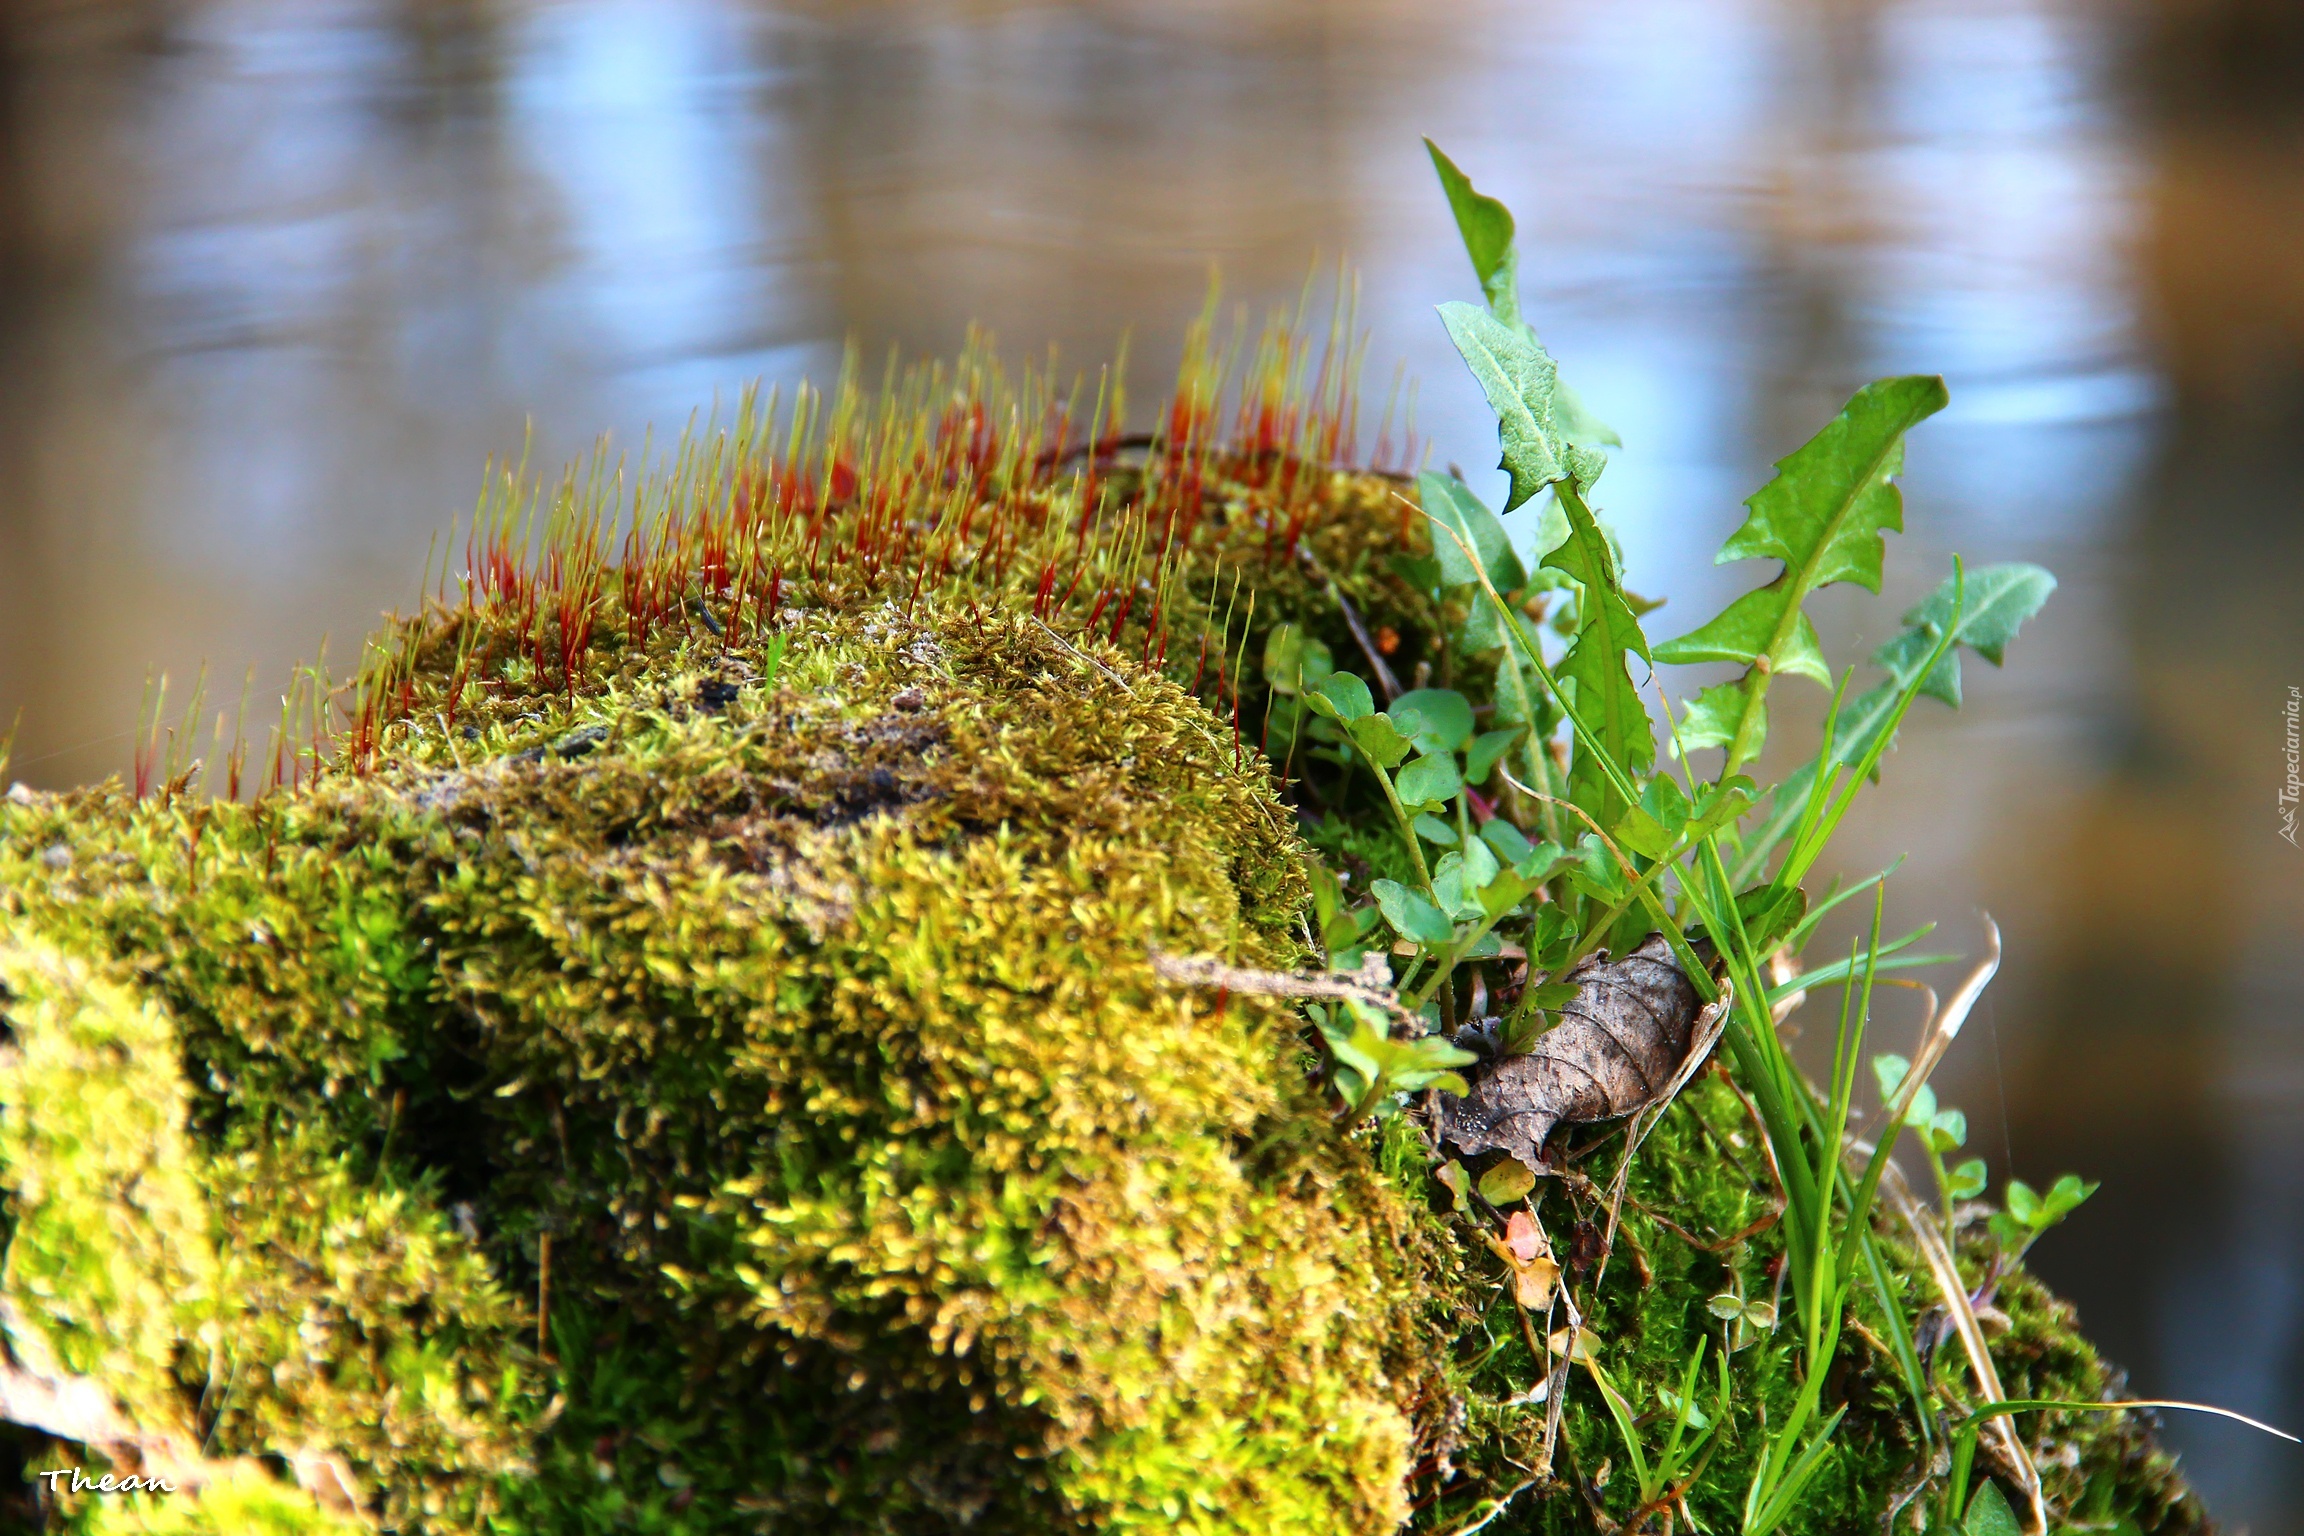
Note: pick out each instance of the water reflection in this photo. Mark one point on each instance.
(277, 275)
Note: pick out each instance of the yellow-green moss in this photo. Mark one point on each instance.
(817, 1033)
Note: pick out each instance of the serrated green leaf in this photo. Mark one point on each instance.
(1713, 715)
(1411, 915)
(1452, 504)
(1822, 516)
(1486, 226)
(1436, 719)
(1999, 598)
(1380, 739)
(1824, 512)
(1611, 707)
(1428, 780)
(1457, 893)
(1522, 384)
(1745, 628)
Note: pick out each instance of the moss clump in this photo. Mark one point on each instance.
(808, 1039)
(687, 1056)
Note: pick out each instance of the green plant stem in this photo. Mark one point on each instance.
(1943, 1190)
(1407, 825)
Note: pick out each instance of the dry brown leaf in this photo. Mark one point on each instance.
(1622, 1043)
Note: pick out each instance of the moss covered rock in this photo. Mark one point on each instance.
(687, 1055)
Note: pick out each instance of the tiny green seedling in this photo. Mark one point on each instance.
(2027, 1213)
(1941, 1132)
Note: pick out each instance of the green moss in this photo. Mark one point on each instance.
(816, 1037)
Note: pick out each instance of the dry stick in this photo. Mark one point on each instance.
(1937, 1036)
(1495, 1509)
(543, 1294)
(1384, 677)
(1361, 986)
(1954, 1291)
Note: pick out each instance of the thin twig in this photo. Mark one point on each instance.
(1710, 1024)
(1945, 1271)
(1384, 677)
(1367, 985)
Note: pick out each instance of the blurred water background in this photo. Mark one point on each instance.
(276, 276)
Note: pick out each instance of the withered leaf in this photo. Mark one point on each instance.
(1621, 1043)
(1534, 1273)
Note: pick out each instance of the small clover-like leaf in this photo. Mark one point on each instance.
(1429, 781)
(1457, 896)
(1502, 894)
(1676, 1405)
(1433, 830)
(1727, 1306)
(1652, 827)
(1341, 696)
(1294, 660)
(1579, 1344)
(1411, 915)
(1506, 1183)
(1509, 842)
(1481, 757)
(2067, 1193)
(1480, 864)
(1968, 1180)
(1719, 805)
(1436, 719)
(1946, 1130)
(2024, 1203)
(1380, 739)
